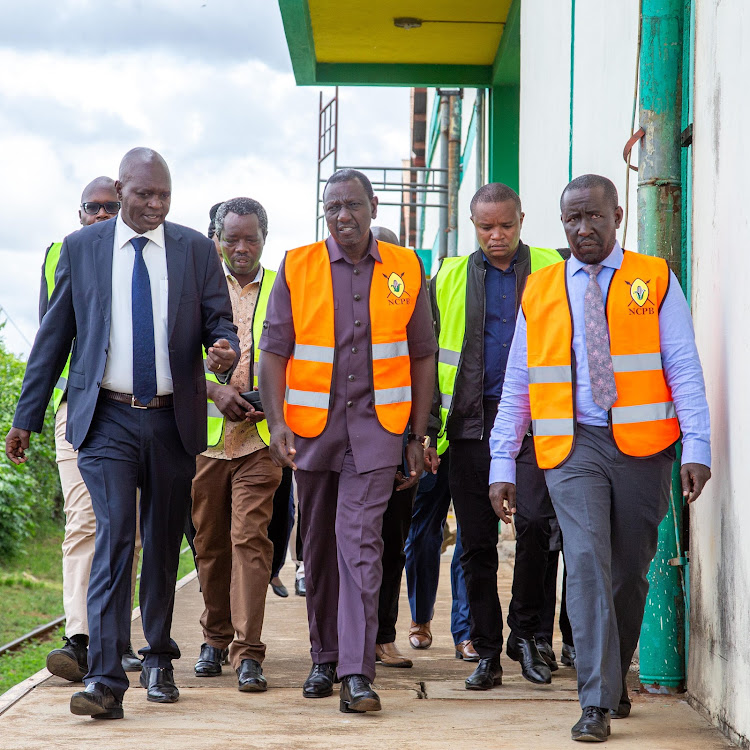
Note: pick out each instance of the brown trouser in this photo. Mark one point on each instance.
(232, 506)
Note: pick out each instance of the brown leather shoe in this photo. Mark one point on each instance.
(420, 635)
(466, 651)
(389, 656)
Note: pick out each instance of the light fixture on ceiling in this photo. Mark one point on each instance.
(407, 22)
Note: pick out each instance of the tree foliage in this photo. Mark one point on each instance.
(31, 492)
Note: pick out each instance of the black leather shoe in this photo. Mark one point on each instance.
(593, 726)
(487, 674)
(130, 662)
(546, 652)
(71, 661)
(533, 666)
(299, 586)
(210, 661)
(96, 701)
(568, 656)
(250, 677)
(357, 695)
(279, 588)
(623, 707)
(319, 683)
(159, 684)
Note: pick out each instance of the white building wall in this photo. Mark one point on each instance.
(719, 670)
(604, 76)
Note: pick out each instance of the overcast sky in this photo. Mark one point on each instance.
(207, 83)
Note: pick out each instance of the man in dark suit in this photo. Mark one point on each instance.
(139, 297)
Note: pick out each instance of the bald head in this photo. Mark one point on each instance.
(384, 235)
(145, 189)
(99, 197)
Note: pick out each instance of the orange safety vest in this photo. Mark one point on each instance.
(396, 282)
(643, 418)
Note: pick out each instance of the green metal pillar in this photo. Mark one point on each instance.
(662, 644)
(505, 103)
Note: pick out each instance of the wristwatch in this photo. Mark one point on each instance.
(424, 439)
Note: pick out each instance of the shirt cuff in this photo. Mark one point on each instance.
(503, 470)
(696, 452)
(419, 349)
(276, 346)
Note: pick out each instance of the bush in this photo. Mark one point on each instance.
(31, 492)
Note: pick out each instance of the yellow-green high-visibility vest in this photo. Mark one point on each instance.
(50, 266)
(215, 417)
(450, 293)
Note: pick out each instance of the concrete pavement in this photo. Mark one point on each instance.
(424, 708)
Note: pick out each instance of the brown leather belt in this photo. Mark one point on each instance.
(158, 402)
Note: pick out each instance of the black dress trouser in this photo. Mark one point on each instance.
(396, 525)
(469, 485)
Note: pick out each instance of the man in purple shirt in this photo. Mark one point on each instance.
(345, 475)
(609, 504)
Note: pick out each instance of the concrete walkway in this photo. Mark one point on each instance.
(424, 708)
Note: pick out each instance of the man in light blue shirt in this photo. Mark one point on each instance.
(608, 504)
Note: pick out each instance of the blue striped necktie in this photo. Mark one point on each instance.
(144, 357)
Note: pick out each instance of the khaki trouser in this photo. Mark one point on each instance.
(80, 532)
(232, 506)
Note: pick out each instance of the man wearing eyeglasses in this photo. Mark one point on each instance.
(98, 203)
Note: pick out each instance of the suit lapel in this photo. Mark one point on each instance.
(176, 249)
(101, 259)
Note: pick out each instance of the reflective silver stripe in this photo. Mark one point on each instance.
(551, 374)
(62, 383)
(636, 362)
(213, 410)
(313, 399)
(643, 413)
(399, 395)
(389, 351)
(446, 399)
(552, 427)
(449, 357)
(313, 353)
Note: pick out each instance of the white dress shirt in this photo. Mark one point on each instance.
(118, 373)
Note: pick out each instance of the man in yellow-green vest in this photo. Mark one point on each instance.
(475, 299)
(235, 478)
(98, 203)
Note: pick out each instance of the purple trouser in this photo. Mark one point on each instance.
(343, 573)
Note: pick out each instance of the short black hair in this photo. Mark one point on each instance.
(345, 175)
(588, 181)
(241, 207)
(212, 216)
(495, 192)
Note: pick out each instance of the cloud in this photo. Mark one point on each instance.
(227, 124)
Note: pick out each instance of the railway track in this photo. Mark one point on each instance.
(41, 631)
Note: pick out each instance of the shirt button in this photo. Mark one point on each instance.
(350, 403)
(505, 345)
(356, 271)
(358, 323)
(357, 297)
(504, 320)
(354, 350)
(351, 377)
(503, 296)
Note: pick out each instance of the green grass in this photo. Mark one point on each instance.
(31, 595)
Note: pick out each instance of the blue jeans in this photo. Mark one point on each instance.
(423, 554)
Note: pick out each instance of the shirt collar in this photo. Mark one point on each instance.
(507, 270)
(613, 260)
(125, 233)
(230, 275)
(336, 253)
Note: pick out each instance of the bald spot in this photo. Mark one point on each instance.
(384, 235)
(138, 157)
(99, 185)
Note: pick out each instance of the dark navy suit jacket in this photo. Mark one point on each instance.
(199, 313)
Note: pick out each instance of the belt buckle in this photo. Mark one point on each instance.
(134, 405)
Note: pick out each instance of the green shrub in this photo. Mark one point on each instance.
(31, 492)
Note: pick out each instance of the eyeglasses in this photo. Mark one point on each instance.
(92, 208)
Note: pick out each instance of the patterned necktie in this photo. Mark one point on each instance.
(144, 358)
(602, 377)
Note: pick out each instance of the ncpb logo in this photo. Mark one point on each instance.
(639, 293)
(396, 286)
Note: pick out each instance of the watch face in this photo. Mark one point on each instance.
(426, 443)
